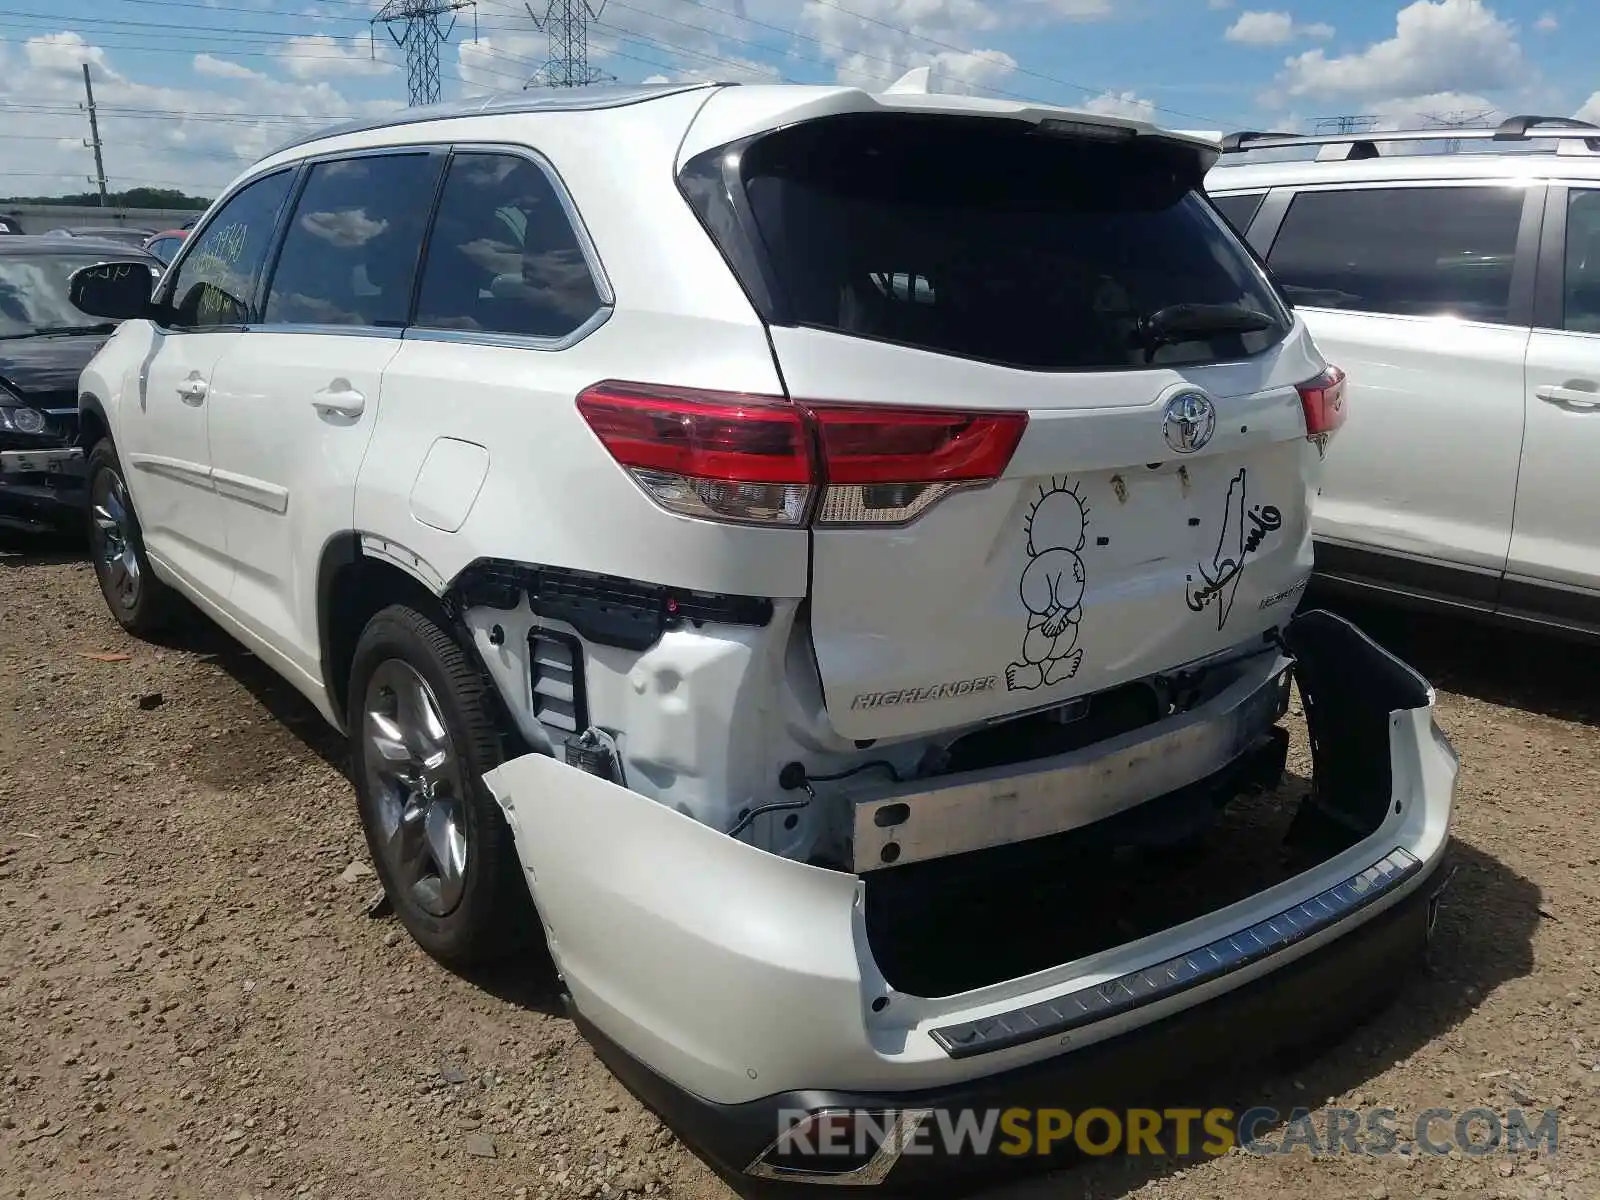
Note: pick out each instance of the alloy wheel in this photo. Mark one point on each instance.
(113, 539)
(419, 780)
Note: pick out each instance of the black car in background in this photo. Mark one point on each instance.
(44, 345)
(9, 225)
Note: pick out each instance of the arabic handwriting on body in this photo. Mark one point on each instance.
(1198, 598)
(1265, 519)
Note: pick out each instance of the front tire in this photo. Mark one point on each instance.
(139, 601)
(422, 735)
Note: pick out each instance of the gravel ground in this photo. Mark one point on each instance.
(194, 1001)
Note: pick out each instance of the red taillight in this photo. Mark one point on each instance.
(761, 459)
(1322, 399)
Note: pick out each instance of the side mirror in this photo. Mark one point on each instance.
(117, 291)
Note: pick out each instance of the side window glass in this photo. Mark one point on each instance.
(216, 283)
(350, 254)
(1582, 308)
(1239, 210)
(1405, 251)
(503, 257)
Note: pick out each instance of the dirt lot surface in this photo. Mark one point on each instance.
(194, 1001)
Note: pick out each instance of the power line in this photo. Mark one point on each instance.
(421, 40)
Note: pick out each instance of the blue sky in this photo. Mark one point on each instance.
(190, 91)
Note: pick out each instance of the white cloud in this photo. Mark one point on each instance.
(222, 68)
(1438, 46)
(320, 56)
(195, 136)
(1273, 29)
(876, 41)
(1121, 104)
(1548, 23)
(1590, 110)
(63, 53)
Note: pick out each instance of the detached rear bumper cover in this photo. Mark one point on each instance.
(734, 981)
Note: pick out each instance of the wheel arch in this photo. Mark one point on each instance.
(359, 575)
(351, 588)
(93, 422)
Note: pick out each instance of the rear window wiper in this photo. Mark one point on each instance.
(1194, 323)
(51, 330)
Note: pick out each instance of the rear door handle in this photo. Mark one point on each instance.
(1586, 396)
(192, 390)
(339, 397)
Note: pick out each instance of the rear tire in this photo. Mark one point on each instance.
(141, 603)
(422, 734)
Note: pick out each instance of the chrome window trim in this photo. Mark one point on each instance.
(510, 341)
(372, 331)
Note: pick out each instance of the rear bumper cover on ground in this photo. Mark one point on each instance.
(728, 985)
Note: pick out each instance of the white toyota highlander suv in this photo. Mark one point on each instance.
(749, 531)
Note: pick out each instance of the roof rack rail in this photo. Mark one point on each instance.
(1515, 129)
(1565, 131)
(1233, 143)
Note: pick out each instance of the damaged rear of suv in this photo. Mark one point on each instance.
(1053, 437)
(849, 506)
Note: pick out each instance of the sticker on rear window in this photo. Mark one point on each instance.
(1243, 532)
(1051, 588)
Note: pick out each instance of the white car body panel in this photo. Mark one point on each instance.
(167, 450)
(1449, 386)
(1554, 538)
(285, 464)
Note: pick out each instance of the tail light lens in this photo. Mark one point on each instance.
(724, 456)
(765, 460)
(1322, 399)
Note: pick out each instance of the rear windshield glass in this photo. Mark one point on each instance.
(990, 240)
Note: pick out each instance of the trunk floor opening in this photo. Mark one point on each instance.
(942, 927)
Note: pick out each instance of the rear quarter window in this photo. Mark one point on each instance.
(1240, 209)
(1412, 252)
(983, 239)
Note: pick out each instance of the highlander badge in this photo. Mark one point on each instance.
(1189, 422)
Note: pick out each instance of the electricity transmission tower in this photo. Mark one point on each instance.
(423, 35)
(1348, 124)
(567, 22)
(1461, 118)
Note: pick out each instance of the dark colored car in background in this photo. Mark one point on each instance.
(9, 225)
(45, 342)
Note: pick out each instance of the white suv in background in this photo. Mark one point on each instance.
(766, 527)
(1461, 293)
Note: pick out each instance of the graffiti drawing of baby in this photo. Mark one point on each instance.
(1052, 591)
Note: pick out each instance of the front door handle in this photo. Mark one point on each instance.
(1575, 393)
(192, 390)
(339, 397)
